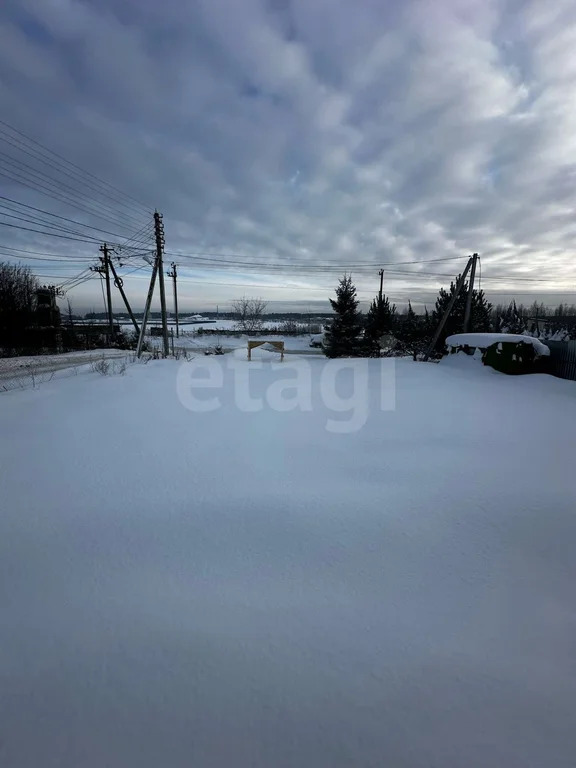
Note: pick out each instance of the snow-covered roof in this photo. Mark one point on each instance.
(484, 340)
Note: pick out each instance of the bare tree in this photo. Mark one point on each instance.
(17, 304)
(250, 314)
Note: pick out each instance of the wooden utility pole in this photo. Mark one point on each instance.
(106, 263)
(174, 275)
(448, 309)
(119, 283)
(159, 236)
(104, 270)
(381, 273)
(147, 309)
(469, 295)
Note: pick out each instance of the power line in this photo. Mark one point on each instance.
(56, 264)
(54, 257)
(60, 197)
(63, 218)
(134, 244)
(146, 231)
(36, 156)
(85, 271)
(535, 292)
(42, 222)
(78, 169)
(499, 278)
(206, 263)
(372, 265)
(55, 185)
(103, 296)
(250, 285)
(36, 253)
(324, 287)
(316, 270)
(68, 233)
(49, 234)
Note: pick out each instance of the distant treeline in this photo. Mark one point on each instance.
(156, 316)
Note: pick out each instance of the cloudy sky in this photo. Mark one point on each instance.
(286, 141)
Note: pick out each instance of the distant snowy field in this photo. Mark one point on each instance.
(247, 589)
(191, 340)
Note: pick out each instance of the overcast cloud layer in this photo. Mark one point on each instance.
(290, 130)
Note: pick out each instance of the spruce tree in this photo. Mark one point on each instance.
(479, 314)
(379, 320)
(510, 321)
(412, 332)
(343, 337)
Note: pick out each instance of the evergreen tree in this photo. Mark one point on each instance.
(510, 321)
(379, 320)
(479, 313)
(560, 310)
(343, 337)
(412, 332)
(538, 309)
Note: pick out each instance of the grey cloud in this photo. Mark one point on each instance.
(278, 130)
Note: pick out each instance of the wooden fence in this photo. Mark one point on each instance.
(563, 359)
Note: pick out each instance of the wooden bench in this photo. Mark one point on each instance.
(278, 346)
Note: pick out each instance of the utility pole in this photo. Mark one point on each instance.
(104, 270)
(118, 282)
(159, 236)
(106, 263)
(470, 292)
(147, 309)
(448, 309)
(174, 276)
(381, 273)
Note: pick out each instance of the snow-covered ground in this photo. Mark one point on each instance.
(34, 370)
(186, 587)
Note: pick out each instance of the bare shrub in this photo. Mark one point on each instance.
(111, 367)
(182, 354)
(101, 366)
(290, 328)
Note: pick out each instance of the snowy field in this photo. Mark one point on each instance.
(192, 342)
(234, 589)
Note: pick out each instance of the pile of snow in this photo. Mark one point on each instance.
(241, 353)
(242, 587)
(265, 351)
(484, 340)
(317, 339)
